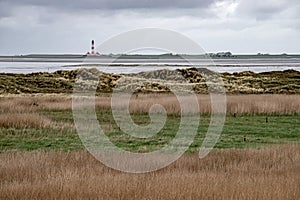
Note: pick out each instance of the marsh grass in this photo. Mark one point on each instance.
(141, 103)
(22, 112)
(25, 120)
(260, 173)
(46, 122)
(59, 168)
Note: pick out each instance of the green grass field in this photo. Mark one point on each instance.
(243, 130)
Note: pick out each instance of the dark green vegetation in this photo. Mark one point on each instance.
(239, 131)
(277, 82)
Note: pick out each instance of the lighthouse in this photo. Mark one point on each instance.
(93, 53)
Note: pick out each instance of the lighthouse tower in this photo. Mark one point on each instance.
(93, 53)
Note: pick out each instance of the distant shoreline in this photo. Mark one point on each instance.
(185, 60)
(81, 57)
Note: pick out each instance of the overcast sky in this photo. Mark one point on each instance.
(67, 26)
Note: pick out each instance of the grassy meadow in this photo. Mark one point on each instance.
(257, 156)
(31, 123)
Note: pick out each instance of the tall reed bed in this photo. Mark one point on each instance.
(25, 111)
(266, 173)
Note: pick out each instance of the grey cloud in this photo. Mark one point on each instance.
(116, 4)
(262, 10)
(5, 9)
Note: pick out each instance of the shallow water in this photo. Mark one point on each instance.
(134, 66)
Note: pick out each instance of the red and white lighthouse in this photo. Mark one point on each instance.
(93, 47)
(93, 53)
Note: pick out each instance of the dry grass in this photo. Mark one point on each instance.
(260, 104)
(266, 173)
(25, 120)
(21, 112)
(19, 104)
(239, 104)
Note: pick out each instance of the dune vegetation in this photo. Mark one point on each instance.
(277, 82)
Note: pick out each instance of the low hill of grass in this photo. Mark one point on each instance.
(247, 82)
